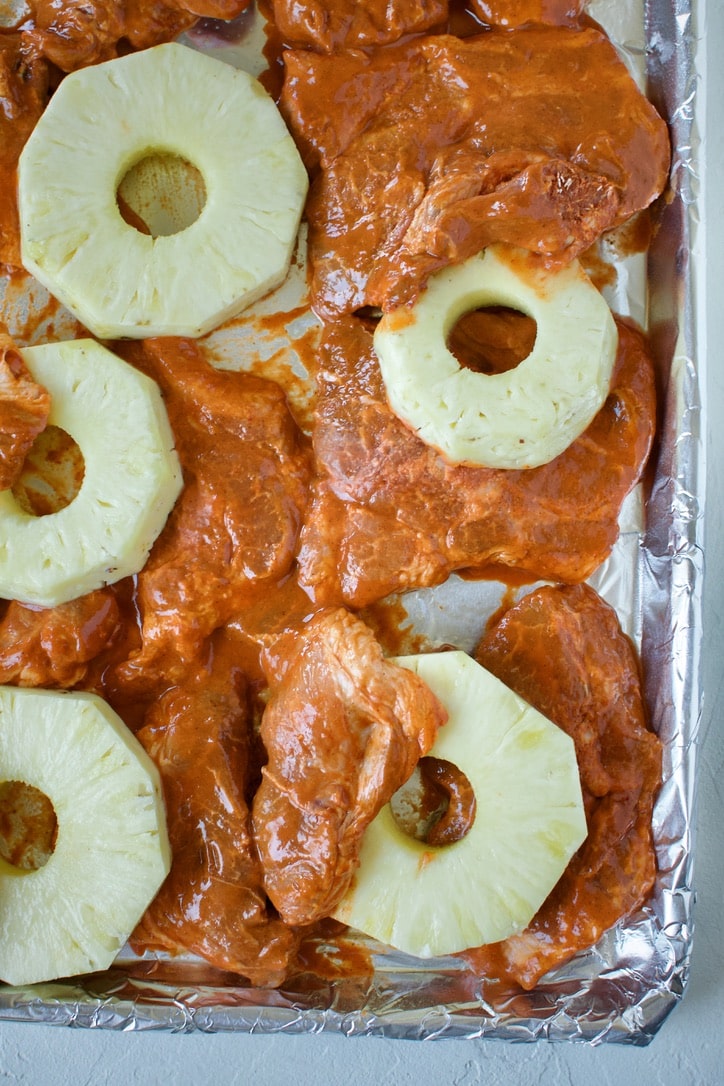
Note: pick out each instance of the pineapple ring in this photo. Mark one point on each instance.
(431, 901)
(73, 914)
(519, 419)
(100, 123)
(131, 480)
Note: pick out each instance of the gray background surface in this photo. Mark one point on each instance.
(688, 1049)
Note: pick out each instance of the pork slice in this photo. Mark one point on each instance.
(23, 96)
(78, 33)
(512, 13)
(390, 514)
(233, 532)
(343, 729)
(24, 410)
(425, 152)
(330, 25)
(563, 651)
(212, 903)
(54, 646)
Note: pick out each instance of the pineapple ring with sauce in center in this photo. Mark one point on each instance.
(105, 120)
(131, 478)
(111, 852)
(521, 418)
(433, 900)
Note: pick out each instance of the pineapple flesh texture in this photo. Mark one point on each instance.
(521, 418)
(433, 901)
(75, 913)
(101, 122)
(131, 479)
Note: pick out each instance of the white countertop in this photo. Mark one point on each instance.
(687, 1048)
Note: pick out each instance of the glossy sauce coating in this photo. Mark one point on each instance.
(321, 669)
(424, 152)
(389, 514)
(458, 806)
(23, 96)
(562, 650)
(243, 621)
(332, 26)
(72, 34)
(513, 13)
(328, 26)
(213, 902)
(24, 410)
(232, 535)
(53, 647)
(343, 729)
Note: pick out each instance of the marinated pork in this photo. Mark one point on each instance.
(23, 96)
(213, 902)
(24, 410)
(330, 25)
(53, 647)
(424, 147)
(513, 13)
(233, 532)
(388, 514)
(424, 153)
(343, 729)
(77, 33)
(562, 650)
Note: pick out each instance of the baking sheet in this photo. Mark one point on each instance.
(622, 989)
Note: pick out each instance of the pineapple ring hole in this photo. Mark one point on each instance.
(161, 194)
(28, 826)
(52, 474)
(436, 805)
(492, 339)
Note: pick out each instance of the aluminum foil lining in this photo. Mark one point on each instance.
(622, 989)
